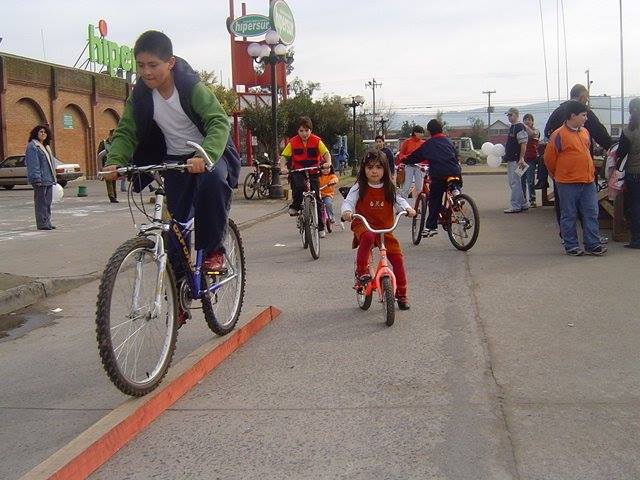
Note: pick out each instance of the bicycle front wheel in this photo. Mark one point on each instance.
(417, 223)
(249, 187)
(464, 225)
(136, 329)
(311, 226)
(388, 302)
(222, 301)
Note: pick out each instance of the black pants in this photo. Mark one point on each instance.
(207, 196)
(42, 197)
(297, 185)
(436, 190)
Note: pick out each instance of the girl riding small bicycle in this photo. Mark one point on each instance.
(374, 197)
(328, 181)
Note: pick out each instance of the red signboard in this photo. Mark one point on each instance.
(243, 72)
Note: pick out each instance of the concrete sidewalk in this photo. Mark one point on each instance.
(38, 264)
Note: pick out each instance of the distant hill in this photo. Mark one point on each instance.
(540, 111)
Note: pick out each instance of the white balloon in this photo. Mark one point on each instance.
(494, 161)
(57, 193)
(498, 150)
(486, 148)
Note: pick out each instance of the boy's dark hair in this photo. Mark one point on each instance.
(379, 137)
(154, 42)
(377, 156)
(527, 116)
(416, 129)
(434, 126)
(305, 122)
(577, 90)
(33, 135)
(573, 107)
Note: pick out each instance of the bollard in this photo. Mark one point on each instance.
(82, 190)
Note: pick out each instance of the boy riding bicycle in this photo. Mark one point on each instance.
(167, 108)
(443, 162)
(303, 151)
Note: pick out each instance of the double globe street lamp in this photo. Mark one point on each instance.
(353, 102)
(271, 53)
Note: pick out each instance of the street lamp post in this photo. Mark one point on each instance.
(353, 102)
(271, 54)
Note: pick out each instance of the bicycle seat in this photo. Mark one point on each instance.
(264, 166)
(451, 179)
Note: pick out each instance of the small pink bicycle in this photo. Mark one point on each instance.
(383, 280)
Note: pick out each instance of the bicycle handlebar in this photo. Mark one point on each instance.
(162, 166)
(304, 169)
(384, 230)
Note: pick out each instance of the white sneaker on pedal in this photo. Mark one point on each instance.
(322, 234)
(430, 233)
(293, 212)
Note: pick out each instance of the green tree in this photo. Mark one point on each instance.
(258, 120)
(406, 128)
(226, 96)
(478, 131)
(445, 124)
(298, 87)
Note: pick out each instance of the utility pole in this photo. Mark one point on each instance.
(489, 110)
(588, 82)
(373, 84)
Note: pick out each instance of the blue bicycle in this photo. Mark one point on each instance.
(139, 295)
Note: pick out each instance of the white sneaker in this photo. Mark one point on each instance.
(429, 233)
(293, 212)
(342, 226)
(322, 234)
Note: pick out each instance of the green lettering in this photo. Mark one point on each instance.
(113, 57)
(126, 58)
(95, 46)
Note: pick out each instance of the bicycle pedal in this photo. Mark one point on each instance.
(222, 271)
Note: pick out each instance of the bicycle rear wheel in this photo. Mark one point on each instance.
(222, 306)
(263, 186)
(388, 302)
(417, 223)
(249, 187)
(311, 226)
(464, 224)
(303, 230)
(136, 340)
(364, 301)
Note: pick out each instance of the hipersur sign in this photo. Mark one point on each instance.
(108, 53)
(250, 25)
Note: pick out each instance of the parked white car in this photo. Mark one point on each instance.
(13, 171)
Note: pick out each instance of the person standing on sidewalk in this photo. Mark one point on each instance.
(105, 145)
(514, 156)
(41, 174)
(531, 157)
(389, 154)
(412, 173)
(568, 159)
(630, 147)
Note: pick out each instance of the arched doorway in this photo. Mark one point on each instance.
(25, 114)
(107, 120)
(72, 139)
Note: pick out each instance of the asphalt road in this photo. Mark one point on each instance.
(514, 362)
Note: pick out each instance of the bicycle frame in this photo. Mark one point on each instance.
(382, 269)
(444, 215)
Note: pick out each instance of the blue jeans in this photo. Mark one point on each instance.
(516, 199)
(579, 199)
(412, 173)
(328, 205)
(632, 197)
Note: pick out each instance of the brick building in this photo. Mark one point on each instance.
(80, 108)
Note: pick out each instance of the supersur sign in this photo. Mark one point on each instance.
(282, 19)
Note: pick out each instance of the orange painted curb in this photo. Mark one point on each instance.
(102, 449)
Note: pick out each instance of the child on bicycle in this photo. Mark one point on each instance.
(328, 180)
(374, 197)
(169, 106)
(443, 162)
(304, 150)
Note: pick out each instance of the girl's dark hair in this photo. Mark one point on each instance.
(154, 42)
(331, 170)
(376, 156)
(34, 134)
(526, 116)
(634, 114)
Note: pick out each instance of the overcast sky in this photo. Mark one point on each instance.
(425, 53)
